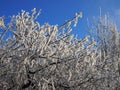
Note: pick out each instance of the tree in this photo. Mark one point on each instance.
(107, 37)
(49, 57)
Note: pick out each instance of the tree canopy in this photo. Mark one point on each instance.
(49, 57)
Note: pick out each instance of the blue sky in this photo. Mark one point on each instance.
(57, 11)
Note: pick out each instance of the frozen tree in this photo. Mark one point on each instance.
(49, 57)
(107, 37)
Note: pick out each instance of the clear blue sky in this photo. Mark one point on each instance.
(57, 11)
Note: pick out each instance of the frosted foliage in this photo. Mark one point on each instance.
(1, 22)
(49, 57)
